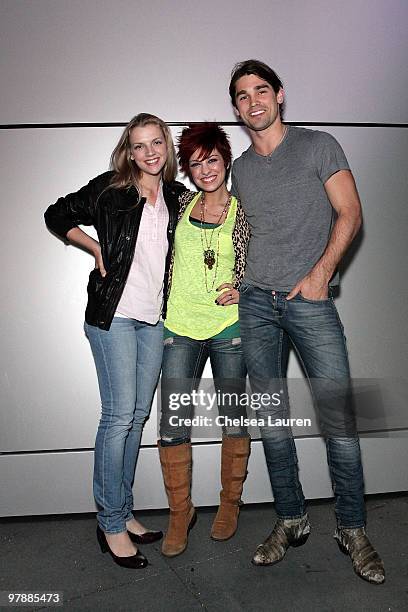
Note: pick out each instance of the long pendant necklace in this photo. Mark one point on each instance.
(211, 256)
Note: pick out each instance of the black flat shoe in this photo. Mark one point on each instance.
(146, 538)
(137, 561)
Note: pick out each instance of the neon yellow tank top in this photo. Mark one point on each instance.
(191, 310)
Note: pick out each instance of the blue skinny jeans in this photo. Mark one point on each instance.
(183, 364)
(127, 359)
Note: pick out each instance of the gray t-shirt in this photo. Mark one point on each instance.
(287, 206)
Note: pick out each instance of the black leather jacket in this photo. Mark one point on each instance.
(116, 215)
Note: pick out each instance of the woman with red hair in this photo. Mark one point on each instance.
(202, 321)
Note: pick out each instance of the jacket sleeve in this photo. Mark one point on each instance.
(76, 208)
(183, 200)
(240, 239)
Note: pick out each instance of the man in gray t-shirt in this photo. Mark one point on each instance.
(302, 205)
(289, 211)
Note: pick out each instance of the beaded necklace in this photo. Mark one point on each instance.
(211, 256)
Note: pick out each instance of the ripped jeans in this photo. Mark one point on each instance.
(182, 368)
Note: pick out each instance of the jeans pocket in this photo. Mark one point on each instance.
(244, 288)
(301, 298)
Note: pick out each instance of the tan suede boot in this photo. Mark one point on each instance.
(176, 467)
(234, 460)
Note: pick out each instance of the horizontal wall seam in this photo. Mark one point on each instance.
(377, 433)
(41, 126)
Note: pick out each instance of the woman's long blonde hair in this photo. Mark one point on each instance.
(126, 171)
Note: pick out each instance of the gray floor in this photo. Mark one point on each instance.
(61, 554)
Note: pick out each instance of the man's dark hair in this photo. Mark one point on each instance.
(258, 68)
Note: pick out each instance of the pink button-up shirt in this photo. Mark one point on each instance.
(143, 293)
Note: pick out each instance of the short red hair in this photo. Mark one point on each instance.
(205, 137)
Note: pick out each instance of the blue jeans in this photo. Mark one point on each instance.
(128, 359)
(270, 324)
(183, 364)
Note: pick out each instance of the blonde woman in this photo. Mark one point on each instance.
(134, 210)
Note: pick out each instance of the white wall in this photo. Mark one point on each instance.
(96, 61)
